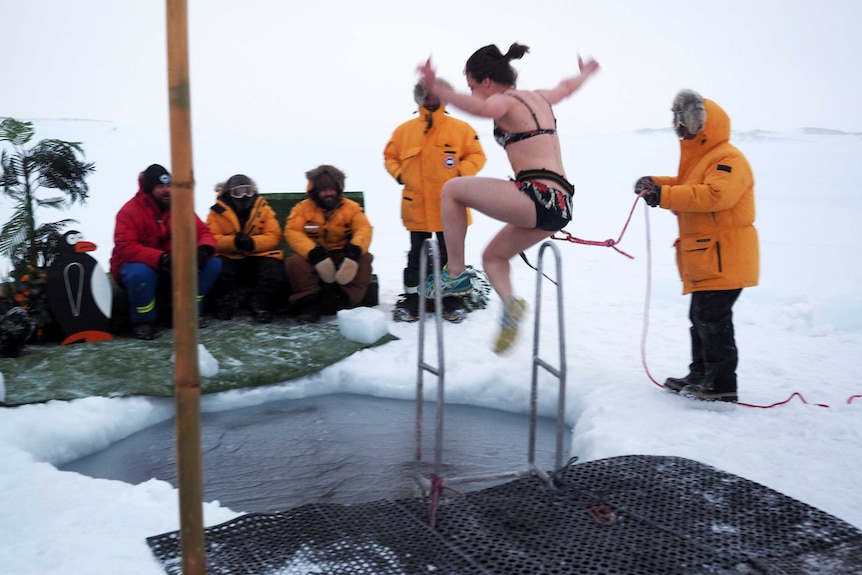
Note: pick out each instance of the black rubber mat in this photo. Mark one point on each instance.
(638, 515)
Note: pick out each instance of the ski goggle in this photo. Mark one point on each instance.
(244, 191)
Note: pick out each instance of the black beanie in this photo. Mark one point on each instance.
(154, 176)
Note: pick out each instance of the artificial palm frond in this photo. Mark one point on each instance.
(10, 173)
(14, 231)
(18, 133)
(48, 238)
(57, 202)
(51, 163)
(59, 168)
(45, 230)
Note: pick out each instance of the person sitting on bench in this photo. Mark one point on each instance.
(329, 235)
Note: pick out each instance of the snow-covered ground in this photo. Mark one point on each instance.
(799, 331)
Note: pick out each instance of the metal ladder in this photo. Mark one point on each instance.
(423, 482)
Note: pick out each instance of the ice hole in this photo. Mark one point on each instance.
(339, 448)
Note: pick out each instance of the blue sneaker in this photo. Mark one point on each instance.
(461, 285)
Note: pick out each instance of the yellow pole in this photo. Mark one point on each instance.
(185, 311)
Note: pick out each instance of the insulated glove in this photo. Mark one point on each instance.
(648, 189)
(323, 264)
(165, 261)
(349, 265)
(204, 253)
(243, 242)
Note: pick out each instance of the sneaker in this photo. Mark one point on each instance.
(513, 311)
(406, 308)
(704, 393)
(143, 331)
(461, 285)
(676, 384)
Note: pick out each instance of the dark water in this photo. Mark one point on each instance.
(336, 449)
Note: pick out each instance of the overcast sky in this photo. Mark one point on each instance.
(306, 68)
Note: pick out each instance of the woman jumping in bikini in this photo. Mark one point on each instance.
(533, 206)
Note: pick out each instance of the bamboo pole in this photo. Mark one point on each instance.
(185, 309)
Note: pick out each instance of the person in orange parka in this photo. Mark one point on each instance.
(424, 153)
(717, 250)
(247, 235)
(330, 236)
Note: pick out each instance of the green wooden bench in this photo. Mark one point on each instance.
(283, 202)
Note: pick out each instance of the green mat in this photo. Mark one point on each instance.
(248, 355)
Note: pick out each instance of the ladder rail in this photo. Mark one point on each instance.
(431, 246)
(558, 372)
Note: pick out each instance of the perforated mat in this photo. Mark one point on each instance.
(636, 514)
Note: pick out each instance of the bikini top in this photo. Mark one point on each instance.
(506, 138)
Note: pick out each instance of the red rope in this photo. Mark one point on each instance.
(792, 395)
(437, 488)
(611, 243)
(647, 298)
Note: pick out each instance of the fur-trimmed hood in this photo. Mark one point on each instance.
(325, 176)
(716, 131)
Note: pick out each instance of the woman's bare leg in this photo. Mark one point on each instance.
(499, 199)
(454, 214)
(498, 254)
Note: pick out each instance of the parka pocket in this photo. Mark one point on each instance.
(412, 207)
(698, 258)
(411, 169)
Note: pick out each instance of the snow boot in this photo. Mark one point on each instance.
(143, 331)
(677, 384)
(308, 309)
(225, 312)
(261, 315)
(704, 392)
(407, 308)
(453, 309)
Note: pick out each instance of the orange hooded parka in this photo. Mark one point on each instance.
(422, 155)
(713, 199)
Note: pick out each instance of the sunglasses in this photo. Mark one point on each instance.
(244, 191)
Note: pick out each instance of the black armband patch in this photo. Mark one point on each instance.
(724, 168)
(218, 208)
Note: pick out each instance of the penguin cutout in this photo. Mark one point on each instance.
(79, 293)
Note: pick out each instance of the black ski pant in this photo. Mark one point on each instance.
(713, 346)
(412, 276)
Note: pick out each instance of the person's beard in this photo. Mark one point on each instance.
(327, 202)
(163, 201)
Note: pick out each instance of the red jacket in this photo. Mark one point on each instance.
(143, 233)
